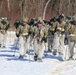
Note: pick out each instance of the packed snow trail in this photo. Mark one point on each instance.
(12, 65)
(64, 68)
(51, 65)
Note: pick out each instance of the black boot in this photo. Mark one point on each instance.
(35, 57)
(71, 58)
(27, 52)
(49, 50)
(54, 53)
(20, 57)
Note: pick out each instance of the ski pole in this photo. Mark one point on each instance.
(29, 55)
(15, 47)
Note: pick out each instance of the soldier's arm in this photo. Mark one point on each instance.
(7, 25)
(68, 27)
(45, 32)
(0, 26)
(34, 31)
(29, 30)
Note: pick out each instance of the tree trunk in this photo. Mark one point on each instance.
(44, 13)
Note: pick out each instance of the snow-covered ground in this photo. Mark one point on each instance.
(51, 65)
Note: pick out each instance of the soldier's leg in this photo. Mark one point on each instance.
(62, 50)
(17, 42)
(28, 44)
(41, 50)
(52, 38)
(21, 48)
(61, 44)
(55, 44)
(49, 43)
(1, 38)
(65, 55)
(4, 40)
(25, 46)
(46, 48)
(71, 49)
(35, 49)
(65, 51)
(74, 56)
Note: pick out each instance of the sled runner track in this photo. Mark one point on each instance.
(61, 67)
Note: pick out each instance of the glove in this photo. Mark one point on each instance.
(29, 33)
(17, 35)
(33, 34)
(44, 39)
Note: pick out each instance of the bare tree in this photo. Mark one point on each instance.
(45, 8)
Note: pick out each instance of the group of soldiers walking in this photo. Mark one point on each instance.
(56, 33)
(36, 33)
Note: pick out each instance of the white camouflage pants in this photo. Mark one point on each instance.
(58, 44)
(39, 48)
(50, 42)
(66, 53)
(3, 38)
(71, 50)
(22, 45)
